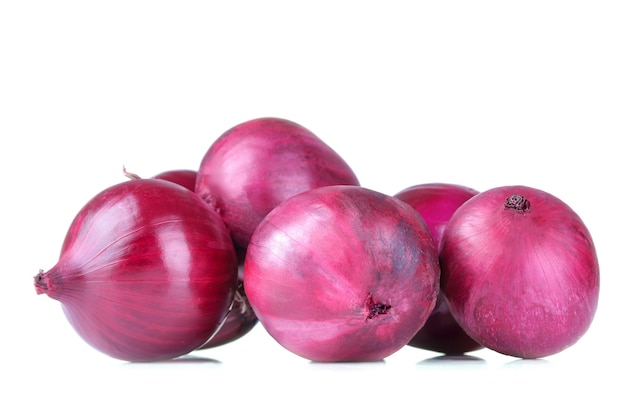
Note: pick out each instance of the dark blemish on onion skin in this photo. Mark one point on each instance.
(518, 203)
(374, 308)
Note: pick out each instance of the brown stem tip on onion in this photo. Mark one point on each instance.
(147, 271)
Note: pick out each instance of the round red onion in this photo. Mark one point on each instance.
(147, 271)
(342, 273)
(436, 203)
(520, 271)
(260, 163)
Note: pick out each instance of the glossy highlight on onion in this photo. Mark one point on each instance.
(240, 319)
(258, 164)
(147, 271)
(520, 271)
(342, 273)
(436, 203)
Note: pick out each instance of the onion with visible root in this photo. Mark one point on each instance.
(147, 271)
(342, 273)
(520, 271)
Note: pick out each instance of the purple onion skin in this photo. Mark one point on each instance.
(147, 271)
(184, 177)
(258, 164)
(436, 203)
(521, 275)
(342, 273)
(239, 321)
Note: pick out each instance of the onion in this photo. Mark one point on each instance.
(437, 202)
(342, 273)
(184, 177)
(258, 164)
(147, 271)
(520, 271)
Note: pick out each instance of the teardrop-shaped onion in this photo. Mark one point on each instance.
(520, 271)
(147, 271)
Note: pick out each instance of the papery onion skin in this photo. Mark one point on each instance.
(436, 203)
(342, 273)
(256, 165)
(147, 271)
(522, 280)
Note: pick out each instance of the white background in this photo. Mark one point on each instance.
(481, 93)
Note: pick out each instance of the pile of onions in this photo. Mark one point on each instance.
(274, 227)
(520, 271)
(342, 273)
(147, 271)
(436, 203)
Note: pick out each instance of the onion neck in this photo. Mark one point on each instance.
(518, 203)
(41, 283)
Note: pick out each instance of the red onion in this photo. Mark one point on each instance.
(184, 177)
(147, 271)
(342, 273)
(437, 202)
(520, 271)
(258, 164)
